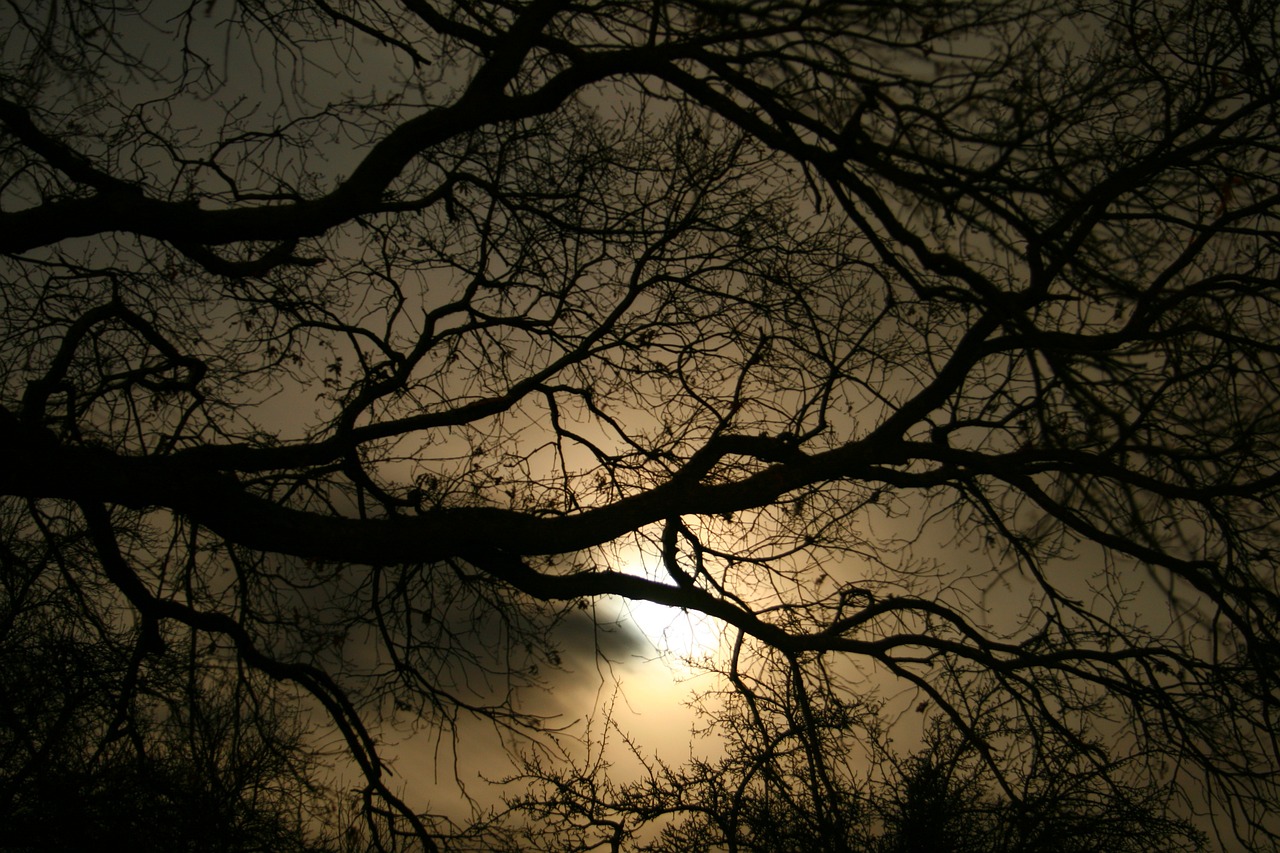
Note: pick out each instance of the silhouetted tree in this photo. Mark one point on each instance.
(925, 344)
(104, 749)
(945, 797)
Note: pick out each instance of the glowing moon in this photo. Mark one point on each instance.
(682, 634)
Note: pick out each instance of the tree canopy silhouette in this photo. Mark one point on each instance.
(926, 345)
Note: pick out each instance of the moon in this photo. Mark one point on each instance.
(680, 634)
(683, 636)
